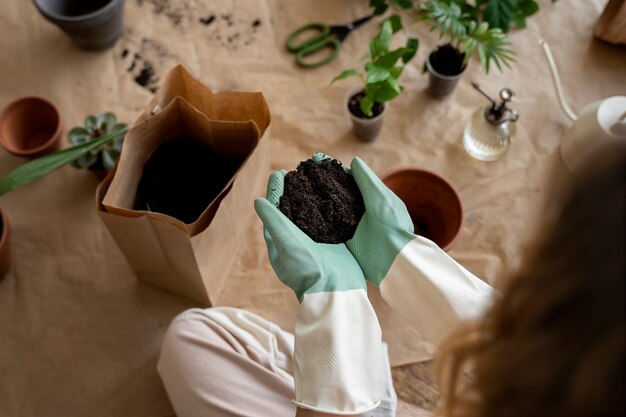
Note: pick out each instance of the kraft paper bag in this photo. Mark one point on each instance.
(190, 259)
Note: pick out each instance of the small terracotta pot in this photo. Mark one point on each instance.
(30, 126)
(433, 204)
(5, 244)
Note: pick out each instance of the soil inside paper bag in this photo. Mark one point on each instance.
(182, 177)
(323, 201)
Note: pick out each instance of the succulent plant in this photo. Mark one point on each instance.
(104, 156)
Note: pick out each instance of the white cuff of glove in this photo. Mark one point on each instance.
(432, 291)
(337, 353)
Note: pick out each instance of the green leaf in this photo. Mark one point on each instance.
(396, 23)
(405, 4)
(396, 71)
(381, 42)
(498, 13)
(78, 135)
(39, 167)
(375, 73)
(86, 160)
(412, 44)
(106, 120)
(109, 158)
(526, 8)
(379, 6)
(389, 59)
(347, 73)
(91, 123)
(367, 103)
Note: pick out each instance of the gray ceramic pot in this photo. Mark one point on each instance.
(92, 24)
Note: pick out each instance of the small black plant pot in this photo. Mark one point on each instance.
(445, 66)
(91, 24)
(365, 128)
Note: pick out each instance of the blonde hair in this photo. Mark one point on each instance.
(553, 344)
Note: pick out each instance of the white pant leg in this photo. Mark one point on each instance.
(227, 362)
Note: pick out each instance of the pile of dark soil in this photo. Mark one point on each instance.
(447, 60)
(323, 201)
(182, 177)
(354, 105)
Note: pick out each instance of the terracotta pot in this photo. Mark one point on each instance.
(433, 204)
(365, 129)
(30, 126)
(92, 25)
(5, 244)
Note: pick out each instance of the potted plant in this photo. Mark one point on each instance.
(367, 104)
(101, 159)
(41, 166)
(472, 28)
(447, 63)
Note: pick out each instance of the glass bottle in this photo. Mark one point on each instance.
(488, 133)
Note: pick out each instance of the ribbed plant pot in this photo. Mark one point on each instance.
(91, 24)
(30, 126)
(440, 85)
(432, 202)
(5, 244)
(366, 129)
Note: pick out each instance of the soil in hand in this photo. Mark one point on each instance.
(447, 60)
(182, 177)
(354, 105)
(323, 201)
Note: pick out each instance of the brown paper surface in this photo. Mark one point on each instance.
(80, 335)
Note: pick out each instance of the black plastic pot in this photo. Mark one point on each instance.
(440, 84)
(366, 129)
(91, 24)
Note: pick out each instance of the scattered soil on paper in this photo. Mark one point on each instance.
(323, 201)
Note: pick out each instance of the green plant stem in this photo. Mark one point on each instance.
(39, 167)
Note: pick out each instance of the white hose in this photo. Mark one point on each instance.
(557, 81)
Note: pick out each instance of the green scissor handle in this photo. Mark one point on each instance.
(313, 44)
(311, 49)
(323, 29)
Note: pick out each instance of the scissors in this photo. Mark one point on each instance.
(328, 36)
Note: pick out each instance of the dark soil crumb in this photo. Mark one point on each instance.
(447, 60)
(207, 20)
(148, 60)
(354, 105)
(323, 201)
(182, 177)
(174, 14)
(256, 23)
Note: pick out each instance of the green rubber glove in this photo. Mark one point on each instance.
(385, 228)
(300, 263)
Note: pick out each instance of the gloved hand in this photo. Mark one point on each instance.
(337, 337)
(416, 278)
(385, 228)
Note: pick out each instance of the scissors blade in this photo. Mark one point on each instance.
(342, 31)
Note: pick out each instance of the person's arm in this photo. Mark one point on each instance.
(416, 278)
(338, 339)
(433, 292)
